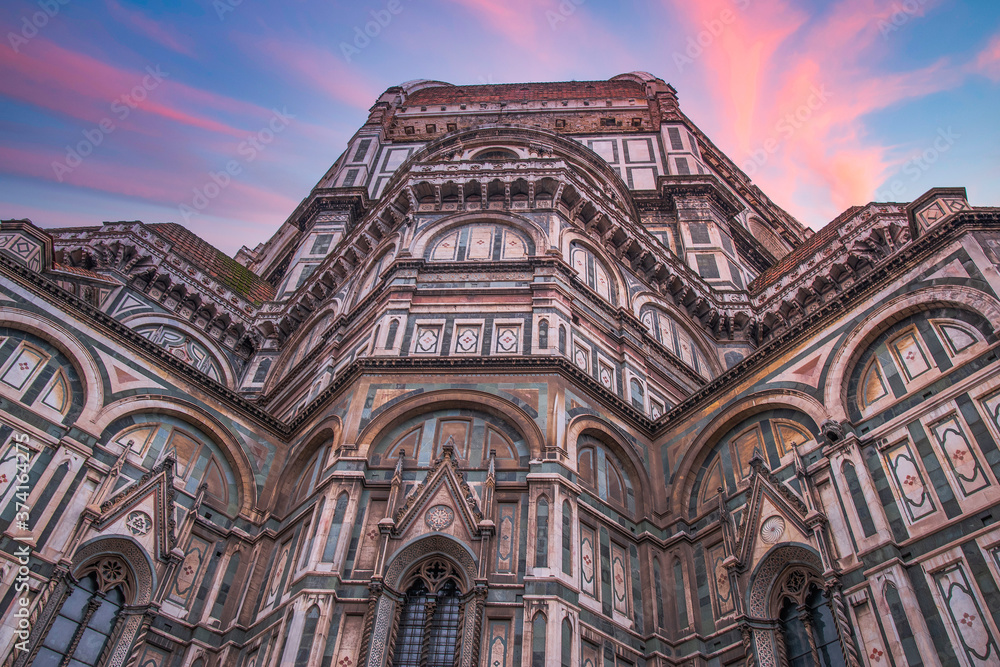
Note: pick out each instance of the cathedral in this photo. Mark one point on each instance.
(535, 375)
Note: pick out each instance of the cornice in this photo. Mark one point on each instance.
(876, 278)
(83, 311)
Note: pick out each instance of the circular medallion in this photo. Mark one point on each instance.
(772, 529)
(439, 517)
(138, 523)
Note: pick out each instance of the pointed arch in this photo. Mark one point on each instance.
(634, 468)
(673, 328)
(146, 323)
(692, 466)
(885, 315)
(313, 452)
(591, 265)
(228, 443)
(424, 240)
(397, 413)
(103, 599)
(76, 353)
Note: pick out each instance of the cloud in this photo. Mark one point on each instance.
(802, 86)
(77, 85)
(322, 71)
(988, 60)
(154, 30)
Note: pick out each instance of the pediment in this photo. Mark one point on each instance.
(144, 511)
(775, 514)
(444, 486)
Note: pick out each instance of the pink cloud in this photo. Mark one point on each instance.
(988, 60)
(324, 71)
(803, 85)
(544, 35)
(82, 87)
(154, 30)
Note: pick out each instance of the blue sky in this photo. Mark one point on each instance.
(893, 98)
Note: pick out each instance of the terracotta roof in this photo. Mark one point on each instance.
(804, 251)
(516, 92)
(84, 273)
(214, 262)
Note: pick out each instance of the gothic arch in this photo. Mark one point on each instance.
(770, 568)
(682, 319)
(682, 481)
(292, 349)
(607, 433)
(791, 569)
(377, 261)
(887, 314)
(328, 432)
(228, 443)
(166, 319)
(116, 562)
(421, 240)
(78, 355)
(408, 557)
(386, 602)
(452, 398)
(618, 291)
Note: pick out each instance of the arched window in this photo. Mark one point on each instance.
(542, 533)
(638, 395)
(567, 532)
(430, 618)
(308, 636)
(85, 621)
(591, 271)
(543, 334)
(562, 339)
(603, 472)
(567, 643)
(372, 276)
(538, 641)
(308, 546)
(330, 550)
(858, 498)
(307, 478)
(807, 627)
(670, 334)
(226, 585)
(495, 154)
